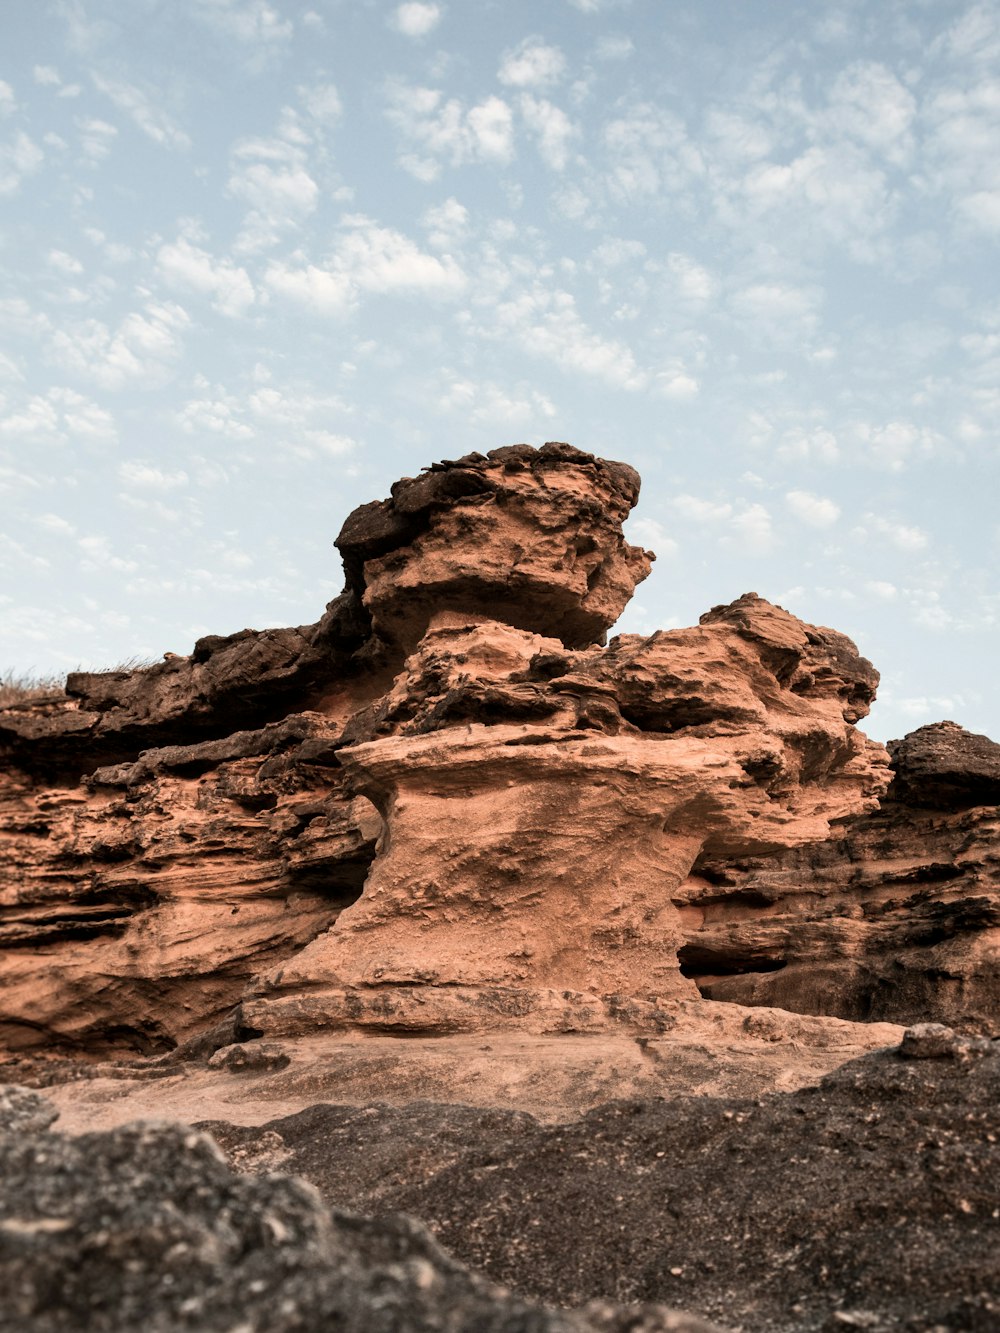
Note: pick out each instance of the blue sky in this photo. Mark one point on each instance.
(259, 259)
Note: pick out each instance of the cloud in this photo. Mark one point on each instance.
(691, 282)
(869, 104)
(546, 323)
(47, 76)
(532, 64)
(448, 131)
(903, 536)
(551, 127)
(777, 303)
(415, 19)
(140, 352)
(253, 22)
(187, 266)
(60, 416)
(488, 404)
(96, 138)
(152, 120)
(367, 259)
(322, 102)
(447, 224)
(217, 416)
(271, 177)
(742, 524)
(144, 476)
(813, 510)
(19, 157)
(614, 46)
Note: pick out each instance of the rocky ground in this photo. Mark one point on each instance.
(870, 1201)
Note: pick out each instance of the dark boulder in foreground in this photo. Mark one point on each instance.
(147, 1227)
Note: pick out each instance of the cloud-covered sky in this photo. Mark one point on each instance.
(258, 260)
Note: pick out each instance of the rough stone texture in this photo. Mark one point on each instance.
(136, 907)
(532, 538)
(945, 767)
(701, 1048)
(896, 917)
(148, 1227)
(553, 824)
(530, 860)
(871, 1201)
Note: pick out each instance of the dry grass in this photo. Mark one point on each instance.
(24, 687)
(21, 689)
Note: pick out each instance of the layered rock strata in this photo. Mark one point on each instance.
(895, 917)
(446, 806)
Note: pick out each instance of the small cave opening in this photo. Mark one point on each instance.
(704, 964)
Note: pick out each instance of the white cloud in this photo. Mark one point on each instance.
(449, 131)
(415, 19)
(446, 224)
(254, 22)
(614, 46)
(649, 154)
(677, 384)
(648, 532)
(489, 404)
(60, 416)
(879, 588)
(145, 476)
(552, 128)
(7, 99)
(152, 120)
(752, 529)
(140, 352)
(893, 444)
(271, 177)
(779, 304)
(696, 510)
(691, 281)
(322, 102)
(546, 323)
(367, 259)
(63, 262)
(19, 157)
(46, 75)
(187, 266)
(903, 536)
(96, 138)
(868, 103)
(217, 416)
(814, 510)
(532, 64)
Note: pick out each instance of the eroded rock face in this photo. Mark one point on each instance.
(550, 835)
(530, 862)
(896, 917)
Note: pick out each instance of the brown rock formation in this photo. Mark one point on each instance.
(529, 862)
(896, 918)
(181, 838)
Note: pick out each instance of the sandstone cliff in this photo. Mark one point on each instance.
(447, 806)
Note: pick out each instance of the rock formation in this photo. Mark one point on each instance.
(895, 917)
(447, 806)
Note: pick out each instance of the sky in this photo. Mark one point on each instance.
(259, 258)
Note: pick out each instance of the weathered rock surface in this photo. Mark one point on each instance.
(148, 1227)
(550, 835)
(529, 864)
(871, 1201)
(896, 917)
